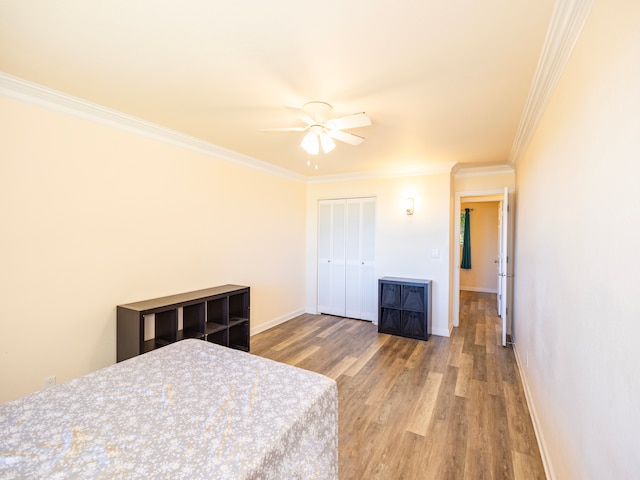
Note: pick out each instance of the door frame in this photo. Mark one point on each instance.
(461, 197)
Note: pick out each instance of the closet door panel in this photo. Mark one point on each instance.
(324, 256)
(324, 288)
(339, 213)
(353, 228)
(369, 296)
(369, 284)
(353, 263)
(324, 230)
(369, 231)
(331, 252)
(338, 259)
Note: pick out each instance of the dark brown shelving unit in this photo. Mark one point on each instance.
(193, 320)
(404, 307)
(219, 315)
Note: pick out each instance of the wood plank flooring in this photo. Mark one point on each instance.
(448, 408)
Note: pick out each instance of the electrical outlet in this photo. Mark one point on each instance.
(49, 382)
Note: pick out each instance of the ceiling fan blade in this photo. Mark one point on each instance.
(285, 129)
(298, 112)
(350, 121)
(346, 137)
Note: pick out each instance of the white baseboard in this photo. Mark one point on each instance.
(441, 332)
(479, 289)
(534, 419)
(276, 321)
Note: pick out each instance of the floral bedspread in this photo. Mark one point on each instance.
(190, 410)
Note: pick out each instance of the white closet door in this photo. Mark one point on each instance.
(331, 257)
(346, 258)
(324, 256)
(352, 260)
(360, 268)
(369, 284)
(338, 260)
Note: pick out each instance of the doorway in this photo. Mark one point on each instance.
(482, 277)
(502, 272)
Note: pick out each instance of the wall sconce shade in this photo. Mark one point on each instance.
(409, 206)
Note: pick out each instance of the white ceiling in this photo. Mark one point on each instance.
(442, 81)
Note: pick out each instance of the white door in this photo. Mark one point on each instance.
(368, 282)
(346, 261)
(360, 257)
(331, 257)
(500, 258)
(505, 275)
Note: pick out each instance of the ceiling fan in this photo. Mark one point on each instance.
(322, 130)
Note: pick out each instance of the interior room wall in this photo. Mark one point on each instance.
(485, 248)
(484, 179)
(413, 246)
(576, 289)
(93, 216)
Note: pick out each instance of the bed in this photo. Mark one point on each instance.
(190, 410)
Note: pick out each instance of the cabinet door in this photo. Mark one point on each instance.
(390, 295)
(331, 257)
(414, 297)
(414, 304)
(390, 321)
(414, 324)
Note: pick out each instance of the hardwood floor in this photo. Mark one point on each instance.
(448, 408)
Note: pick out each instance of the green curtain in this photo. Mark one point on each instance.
(466, 242)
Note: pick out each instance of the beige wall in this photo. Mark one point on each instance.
(484, 179)
(577, 315)
(94, 216)
(405, 244)
(485, 248)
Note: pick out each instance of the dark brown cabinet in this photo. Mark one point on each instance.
(404, 307)
(219, 315)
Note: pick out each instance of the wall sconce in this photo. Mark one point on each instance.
(409, 206)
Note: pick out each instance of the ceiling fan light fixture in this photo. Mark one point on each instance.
(310, 143)
(327, 143)
(323, 130)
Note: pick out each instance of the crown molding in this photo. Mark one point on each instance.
(20, 89)
(567, 21)
(434, 169)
